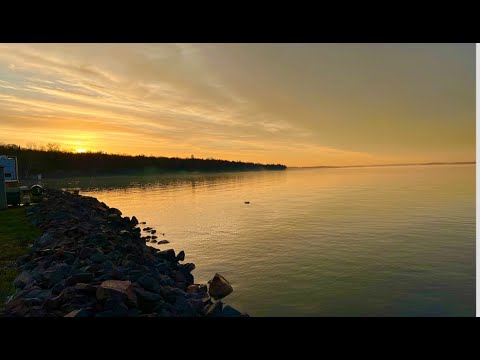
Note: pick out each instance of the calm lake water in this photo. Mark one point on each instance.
(391, 241)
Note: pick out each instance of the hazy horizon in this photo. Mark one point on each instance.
(301, 105)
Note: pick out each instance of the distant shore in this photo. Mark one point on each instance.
(382, 165)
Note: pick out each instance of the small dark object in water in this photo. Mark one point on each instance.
(247, 202)
(153, 231)
(153, 241)
(142, 223)
(147, 229)
(154, 237)
(163, 241)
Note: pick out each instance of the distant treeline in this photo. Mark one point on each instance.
(54, 162)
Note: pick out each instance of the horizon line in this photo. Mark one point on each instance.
(378, 165)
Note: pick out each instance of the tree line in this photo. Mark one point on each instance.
(52, 161)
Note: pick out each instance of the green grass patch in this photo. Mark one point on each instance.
(16, 234)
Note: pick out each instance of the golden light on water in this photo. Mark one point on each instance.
(81, 151)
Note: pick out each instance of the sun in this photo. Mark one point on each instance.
(79, 151)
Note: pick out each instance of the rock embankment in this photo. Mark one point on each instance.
(92, 262)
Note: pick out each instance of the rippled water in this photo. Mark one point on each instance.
(391, 241)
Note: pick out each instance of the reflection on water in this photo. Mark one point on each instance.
(393, 241)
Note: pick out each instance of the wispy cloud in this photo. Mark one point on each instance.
(252, 102)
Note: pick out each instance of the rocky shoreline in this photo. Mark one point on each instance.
(92, 262)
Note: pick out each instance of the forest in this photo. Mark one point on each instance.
(53, 162)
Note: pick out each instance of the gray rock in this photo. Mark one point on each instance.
(53, 277)
(98, 257)
(169, 293)
(187, 268)
(134, 275)
(83, 277)
(229, 311)
(134, 313)
(78, 313)
(122, 289)
(108, 313)
(69, 293)
(87, 288)
(179, 277)
(219, 287)
(165, 280)
(166, 254)
(214, 310)
(143, 295)
(105, 277)
(181, 256)
(36, 292)
(115, 211)
(54, 302)
(58, 288)
(120, 310)
(197, 288)
(44, 240)
(23, 279)
(196, 304)
(147, 301)
(118, 274)
(36, 311)
(184, 307)
(33, 301)
(86, 252)
(149, 283)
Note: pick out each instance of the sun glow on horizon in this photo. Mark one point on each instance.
(316, 104)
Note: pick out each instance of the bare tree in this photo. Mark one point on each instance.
(53, 147)
(32, 146)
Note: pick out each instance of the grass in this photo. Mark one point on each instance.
(16, 234)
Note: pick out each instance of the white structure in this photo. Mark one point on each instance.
(3, 194)
(11, 182)
(10, 166)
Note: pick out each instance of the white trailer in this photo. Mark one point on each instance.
(11, 182)
(10, 166)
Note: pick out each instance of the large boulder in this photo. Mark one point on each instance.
(214, 310)
(167, 254)
(147, 301)
(181, 256)
(219, 287)
(23, 279)
(117, 288)
(149, 283)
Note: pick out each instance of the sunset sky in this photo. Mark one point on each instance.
(295, 104)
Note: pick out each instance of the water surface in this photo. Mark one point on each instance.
(390, 241)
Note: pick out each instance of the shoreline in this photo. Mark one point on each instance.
(92, 262)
